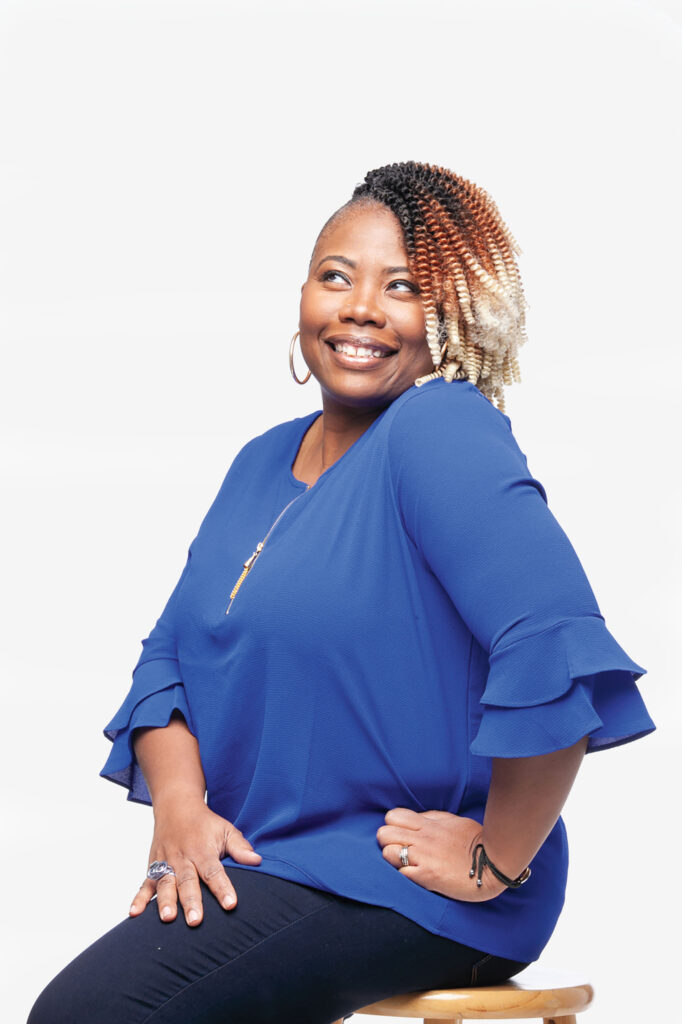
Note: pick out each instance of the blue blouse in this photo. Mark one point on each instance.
(415, 613)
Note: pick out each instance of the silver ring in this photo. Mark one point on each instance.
(404, 857)
(158, 869)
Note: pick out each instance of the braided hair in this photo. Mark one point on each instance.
(462, 255)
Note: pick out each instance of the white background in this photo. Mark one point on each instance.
(165, 169)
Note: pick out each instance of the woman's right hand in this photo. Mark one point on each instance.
(192, 839)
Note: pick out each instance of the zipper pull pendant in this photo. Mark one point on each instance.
(248, 564)
(245, 572)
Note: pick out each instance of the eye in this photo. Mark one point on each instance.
(328, 275)
(406, 284)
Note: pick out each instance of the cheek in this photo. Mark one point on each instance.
(316, 309)
(412, 327)
(419, 319)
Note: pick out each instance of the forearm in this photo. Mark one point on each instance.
(524, 803)
(170, 762)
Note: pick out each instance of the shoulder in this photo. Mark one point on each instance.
(451, 421)
(439, 402)
(265, 453)
(452, 457)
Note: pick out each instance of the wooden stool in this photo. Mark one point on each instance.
(539, 992)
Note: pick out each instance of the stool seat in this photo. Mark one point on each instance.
(540, 992)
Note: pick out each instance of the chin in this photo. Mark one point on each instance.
(365, 394)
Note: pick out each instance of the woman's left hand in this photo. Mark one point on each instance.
(440, 851)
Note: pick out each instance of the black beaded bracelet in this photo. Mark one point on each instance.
(484, 861)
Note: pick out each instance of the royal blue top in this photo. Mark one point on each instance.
(415, 613)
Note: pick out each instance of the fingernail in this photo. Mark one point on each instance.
(166, 913)
(132, 908)
(229, 901)
(193, 916)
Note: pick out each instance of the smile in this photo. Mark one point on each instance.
(358, 353)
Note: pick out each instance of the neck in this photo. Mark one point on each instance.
(339, 427)
(331, 435)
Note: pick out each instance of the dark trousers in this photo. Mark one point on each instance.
(288, 953)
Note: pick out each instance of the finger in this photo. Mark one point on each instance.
(402, 816)
(167, 898)
(239, 848)
(392, 834)
(142, 897)
(392, 855)
(189, 893)
(213, 875)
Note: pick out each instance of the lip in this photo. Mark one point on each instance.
(358, 339)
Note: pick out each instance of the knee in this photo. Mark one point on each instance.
(80, 994)
(64, 1001)
(48, 1008)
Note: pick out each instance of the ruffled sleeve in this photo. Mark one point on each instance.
(547, 691)
(157, 691)
(482, 523)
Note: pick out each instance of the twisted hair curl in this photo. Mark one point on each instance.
(463, 257)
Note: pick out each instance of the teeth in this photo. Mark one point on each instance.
(359, 351)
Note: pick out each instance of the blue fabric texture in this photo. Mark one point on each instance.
(414, 614)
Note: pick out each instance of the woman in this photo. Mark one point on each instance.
(366, 700)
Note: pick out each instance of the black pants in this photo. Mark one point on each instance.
(288, 953)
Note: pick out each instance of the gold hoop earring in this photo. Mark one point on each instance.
(291, 361)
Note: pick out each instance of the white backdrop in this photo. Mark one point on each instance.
(165, 169)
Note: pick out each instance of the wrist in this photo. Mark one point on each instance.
(490, 886)
(507, 860)
(177, 797)
(491, 869)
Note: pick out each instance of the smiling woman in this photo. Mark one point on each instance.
(344, 812)
(414, 278)
(462, 262)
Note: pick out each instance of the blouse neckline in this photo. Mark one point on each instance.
(307, 421)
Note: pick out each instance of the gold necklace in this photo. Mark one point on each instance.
(250, 562)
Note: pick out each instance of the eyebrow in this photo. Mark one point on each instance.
(350, 263)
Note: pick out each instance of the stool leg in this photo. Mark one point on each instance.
(437, 1020)
(560, 1020)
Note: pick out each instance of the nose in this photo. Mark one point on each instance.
(362, 305)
